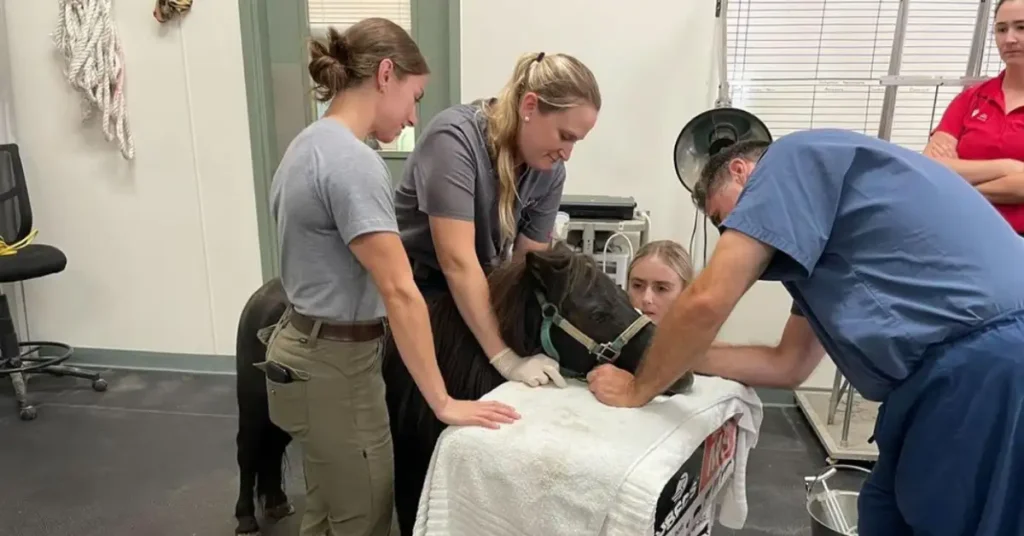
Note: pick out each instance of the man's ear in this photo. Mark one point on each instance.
(736, 167)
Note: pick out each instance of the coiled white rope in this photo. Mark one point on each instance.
(94, 59)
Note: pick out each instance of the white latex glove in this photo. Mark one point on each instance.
(535, 370)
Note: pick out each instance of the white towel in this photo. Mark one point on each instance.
(572, 465)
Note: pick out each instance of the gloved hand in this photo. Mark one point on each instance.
(535, 370)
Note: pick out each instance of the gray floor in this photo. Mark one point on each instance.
(154, 455)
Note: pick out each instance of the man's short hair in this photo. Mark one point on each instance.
(714, 172)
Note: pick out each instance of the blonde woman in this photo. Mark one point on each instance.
(663, 269)
(484, 183)
(658, 274)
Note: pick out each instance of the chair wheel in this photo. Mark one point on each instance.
(99, 385)
(27, 413)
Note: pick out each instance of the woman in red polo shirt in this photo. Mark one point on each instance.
(981, 134)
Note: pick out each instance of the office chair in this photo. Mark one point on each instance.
(21, 260)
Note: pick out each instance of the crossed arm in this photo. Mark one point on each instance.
(1000, 180)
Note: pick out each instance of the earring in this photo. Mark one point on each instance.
(527, 119)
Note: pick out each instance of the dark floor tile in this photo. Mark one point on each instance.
(163, 391)
(115, 472)
(786, 429)
(155, 454)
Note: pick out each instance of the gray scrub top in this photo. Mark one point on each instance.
(450, 174)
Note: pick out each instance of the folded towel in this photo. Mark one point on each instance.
(572, 465)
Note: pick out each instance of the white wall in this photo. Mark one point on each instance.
(654, 62)
(163, 251)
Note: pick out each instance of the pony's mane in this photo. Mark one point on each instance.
(514, 290)
(513, 294)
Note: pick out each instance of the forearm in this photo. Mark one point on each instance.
(473, 299)
(410, 327)
(975, 171)
(753, 365)
(1007, 189)
(673, 352)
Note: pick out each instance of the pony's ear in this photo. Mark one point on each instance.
(544, 266)
(535, 265)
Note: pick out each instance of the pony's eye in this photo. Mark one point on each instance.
(601, 314)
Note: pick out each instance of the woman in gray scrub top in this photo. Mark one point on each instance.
(507, 153)
(343, 268)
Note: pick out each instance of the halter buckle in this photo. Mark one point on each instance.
(606, 353)
(548, 310)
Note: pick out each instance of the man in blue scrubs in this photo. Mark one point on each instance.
(913, 284)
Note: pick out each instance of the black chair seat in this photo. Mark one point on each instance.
(31, 261)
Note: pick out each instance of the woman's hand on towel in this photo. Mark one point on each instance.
(485, 413)
(614, 387)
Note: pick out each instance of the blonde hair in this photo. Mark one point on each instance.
(560, 81)
(669, 252)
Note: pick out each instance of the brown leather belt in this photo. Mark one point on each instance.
(350, 332)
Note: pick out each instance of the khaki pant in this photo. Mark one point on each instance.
(335, 409)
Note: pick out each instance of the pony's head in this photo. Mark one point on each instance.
(559, 302)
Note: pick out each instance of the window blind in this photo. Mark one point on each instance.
(800, 64)
(937, 43)
(343, 13)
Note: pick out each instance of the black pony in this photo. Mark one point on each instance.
(260, 444)
(554, 301)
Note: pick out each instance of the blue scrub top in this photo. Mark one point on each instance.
(885, 251)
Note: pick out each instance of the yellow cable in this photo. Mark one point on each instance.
(12, 249)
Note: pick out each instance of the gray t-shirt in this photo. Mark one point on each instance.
(329, 189)
(450, 174)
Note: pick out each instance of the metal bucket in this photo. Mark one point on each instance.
(832, 512)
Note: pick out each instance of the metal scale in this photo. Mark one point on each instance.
(844, 434)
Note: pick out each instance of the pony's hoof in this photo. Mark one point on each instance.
(247, 526)
(281, 511)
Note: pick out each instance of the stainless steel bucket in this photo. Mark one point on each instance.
(833, 512)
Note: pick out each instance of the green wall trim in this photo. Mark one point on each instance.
(454, 52)
(105, 358)
(434, 30)
(259, 97)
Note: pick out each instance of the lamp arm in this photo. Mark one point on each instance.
(722, 23)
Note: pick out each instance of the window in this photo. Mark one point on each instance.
(343, 13)
(801, 64)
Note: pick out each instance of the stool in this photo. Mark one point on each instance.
(22, 259)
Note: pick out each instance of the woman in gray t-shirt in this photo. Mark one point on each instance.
(343, 268)
(484, 184)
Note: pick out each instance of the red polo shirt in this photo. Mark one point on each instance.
(977, 118)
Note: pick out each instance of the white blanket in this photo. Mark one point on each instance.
(572, 465)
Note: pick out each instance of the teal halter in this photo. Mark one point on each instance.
(605, 352)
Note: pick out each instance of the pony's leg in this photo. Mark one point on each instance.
(271, 481)
(410, 473)
(247, 445)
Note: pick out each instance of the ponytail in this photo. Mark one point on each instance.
(559, 81)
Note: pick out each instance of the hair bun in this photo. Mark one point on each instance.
(339, 48)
